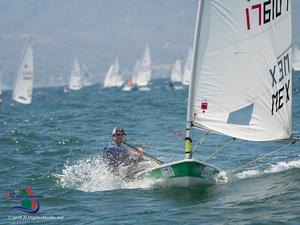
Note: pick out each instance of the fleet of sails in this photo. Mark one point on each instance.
(140, 77)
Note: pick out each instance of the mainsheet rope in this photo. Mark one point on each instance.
(200, 142)
(219, 149)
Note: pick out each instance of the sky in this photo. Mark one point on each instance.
(98, 31)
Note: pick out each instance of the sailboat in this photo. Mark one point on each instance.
(187, 68)
(176, 76)
(86, 75)
(113, 76)
(22, 92)
(144, 73)
(75, 82)
(241, 83)
(131, 83)
(296, 59)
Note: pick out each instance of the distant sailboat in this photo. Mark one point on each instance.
(187, 68)
(113, 76)
(131, 83)
(75, 82)
(296, 59)
(86, 75)
(144, 72)
(22, 92)
(176, 76)
(241, 84)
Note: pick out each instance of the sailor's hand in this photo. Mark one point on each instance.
(139, 151)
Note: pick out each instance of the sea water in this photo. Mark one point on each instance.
(54, 145)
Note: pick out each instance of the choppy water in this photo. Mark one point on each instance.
(54, 146)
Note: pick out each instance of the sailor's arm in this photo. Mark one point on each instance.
(136, 152)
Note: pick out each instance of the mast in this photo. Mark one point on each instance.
(189, 119)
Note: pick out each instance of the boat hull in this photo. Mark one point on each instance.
(183, 173)
(144, 88)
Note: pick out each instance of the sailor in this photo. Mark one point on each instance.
(115, 154)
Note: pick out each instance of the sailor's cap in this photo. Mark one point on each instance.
(118, 130)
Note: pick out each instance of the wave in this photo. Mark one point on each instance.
(273, 168)
(92, 174)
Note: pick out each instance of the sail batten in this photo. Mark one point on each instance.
(241, 84)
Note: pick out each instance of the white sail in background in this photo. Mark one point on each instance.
(130, 83)
(135, 71)
(75, 82)
(187, 68)
(242, 73)
(86, 75)
(176, 74)
(296, 59)
(113, 76)
(108, 77)
(22, 92)
(144, 74)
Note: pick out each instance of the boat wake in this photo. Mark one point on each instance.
(273, 168)
(222, 178)
(92, 174)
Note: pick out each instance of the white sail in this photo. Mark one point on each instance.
(130, 83)
(135, 71)
(113, 76)
(176, 74)
(242, 76)
(187, 72)
(118, 79)
(144, 74)
(86, 75)
(108, 77)
(296, 59)
(75, 82)
(22, 92)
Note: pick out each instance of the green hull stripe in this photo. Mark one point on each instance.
(185, 169)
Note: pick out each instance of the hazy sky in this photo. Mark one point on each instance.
(98, 31)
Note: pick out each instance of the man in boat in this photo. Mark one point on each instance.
(115, 154)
